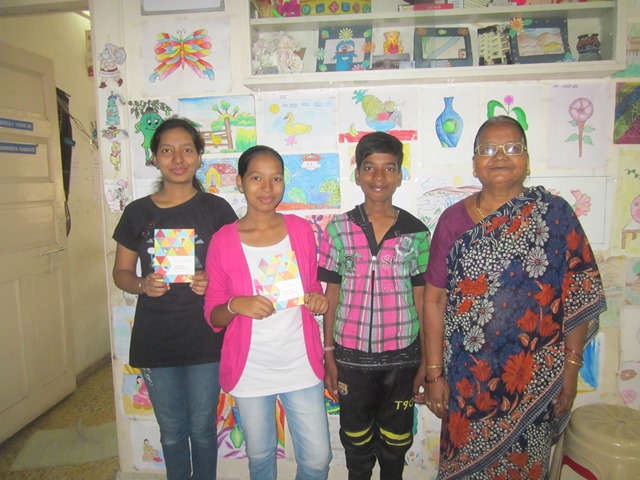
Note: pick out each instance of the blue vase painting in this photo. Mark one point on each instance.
(449, 125)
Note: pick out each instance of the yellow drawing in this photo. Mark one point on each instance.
(297, 128)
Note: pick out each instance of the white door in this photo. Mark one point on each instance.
(36, 349)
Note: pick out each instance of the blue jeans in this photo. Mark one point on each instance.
(308, 424)
(185, 402)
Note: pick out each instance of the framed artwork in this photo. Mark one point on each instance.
(442, 47)
(539, 40)
(493, 45)
(341, 49)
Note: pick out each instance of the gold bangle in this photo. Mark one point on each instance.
(573, 362)
(434, 366)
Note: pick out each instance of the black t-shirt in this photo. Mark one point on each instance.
(171, 330)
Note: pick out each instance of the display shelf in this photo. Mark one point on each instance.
(607, 18)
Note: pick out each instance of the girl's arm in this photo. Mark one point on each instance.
(125, 278)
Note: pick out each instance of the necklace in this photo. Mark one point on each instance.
(478, 205)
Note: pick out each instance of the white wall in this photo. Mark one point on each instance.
(60, 36)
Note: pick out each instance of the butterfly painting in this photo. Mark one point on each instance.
(173, 51)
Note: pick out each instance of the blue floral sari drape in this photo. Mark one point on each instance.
(518, 282)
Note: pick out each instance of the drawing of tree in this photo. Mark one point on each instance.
(229, 116)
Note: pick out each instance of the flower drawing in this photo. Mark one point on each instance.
(517, 25)
(581, 110)
(583, 203)
(509, 109)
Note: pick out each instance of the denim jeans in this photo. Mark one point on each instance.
(308, 424)
(185, 402)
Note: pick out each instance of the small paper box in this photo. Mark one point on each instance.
(334, 7)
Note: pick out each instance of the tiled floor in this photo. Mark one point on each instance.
(93, 404)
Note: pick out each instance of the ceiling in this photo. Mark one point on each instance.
(32, 7)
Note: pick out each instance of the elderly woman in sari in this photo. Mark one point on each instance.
(513, 296)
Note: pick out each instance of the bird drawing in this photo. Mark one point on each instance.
(297, 128)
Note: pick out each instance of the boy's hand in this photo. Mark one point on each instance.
(419, 385)
(316, 303)
(331, 375)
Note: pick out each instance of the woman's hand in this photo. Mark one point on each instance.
(564, 401)
(255, 306)
(438, 397)
(154, 286)
(316, 303)
(199, 282)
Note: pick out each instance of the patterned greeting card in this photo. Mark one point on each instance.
(279, 280)
(174, 254)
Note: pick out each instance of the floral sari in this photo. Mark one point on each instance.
(518, 282)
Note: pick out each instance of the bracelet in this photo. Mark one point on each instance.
(573, 352)
(140, 292)
(434, 366)
(229, 307)
(573, 362)
(329, 349)
(429, 381)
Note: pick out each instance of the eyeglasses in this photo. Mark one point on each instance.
(509, 148)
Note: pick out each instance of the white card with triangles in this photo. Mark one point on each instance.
(279, 280)
(174, 254)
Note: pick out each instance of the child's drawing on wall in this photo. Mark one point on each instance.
(149, 453)
(181, 55)
(626, 128)
(180, 50)
(134, 395)
(109, 60)
(632, 282)
(298, 121)
(146, 449)
(218, 175)
(116, 194)
(312, 181)
(581, 110)
(378, 109)
(112, 114)
(227, 124)
(147, 112)
(577, 125)
(629, 194)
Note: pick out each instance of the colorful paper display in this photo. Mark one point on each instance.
(174, 254)
(279, 280)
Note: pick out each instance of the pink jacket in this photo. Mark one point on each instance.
(229, 276)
